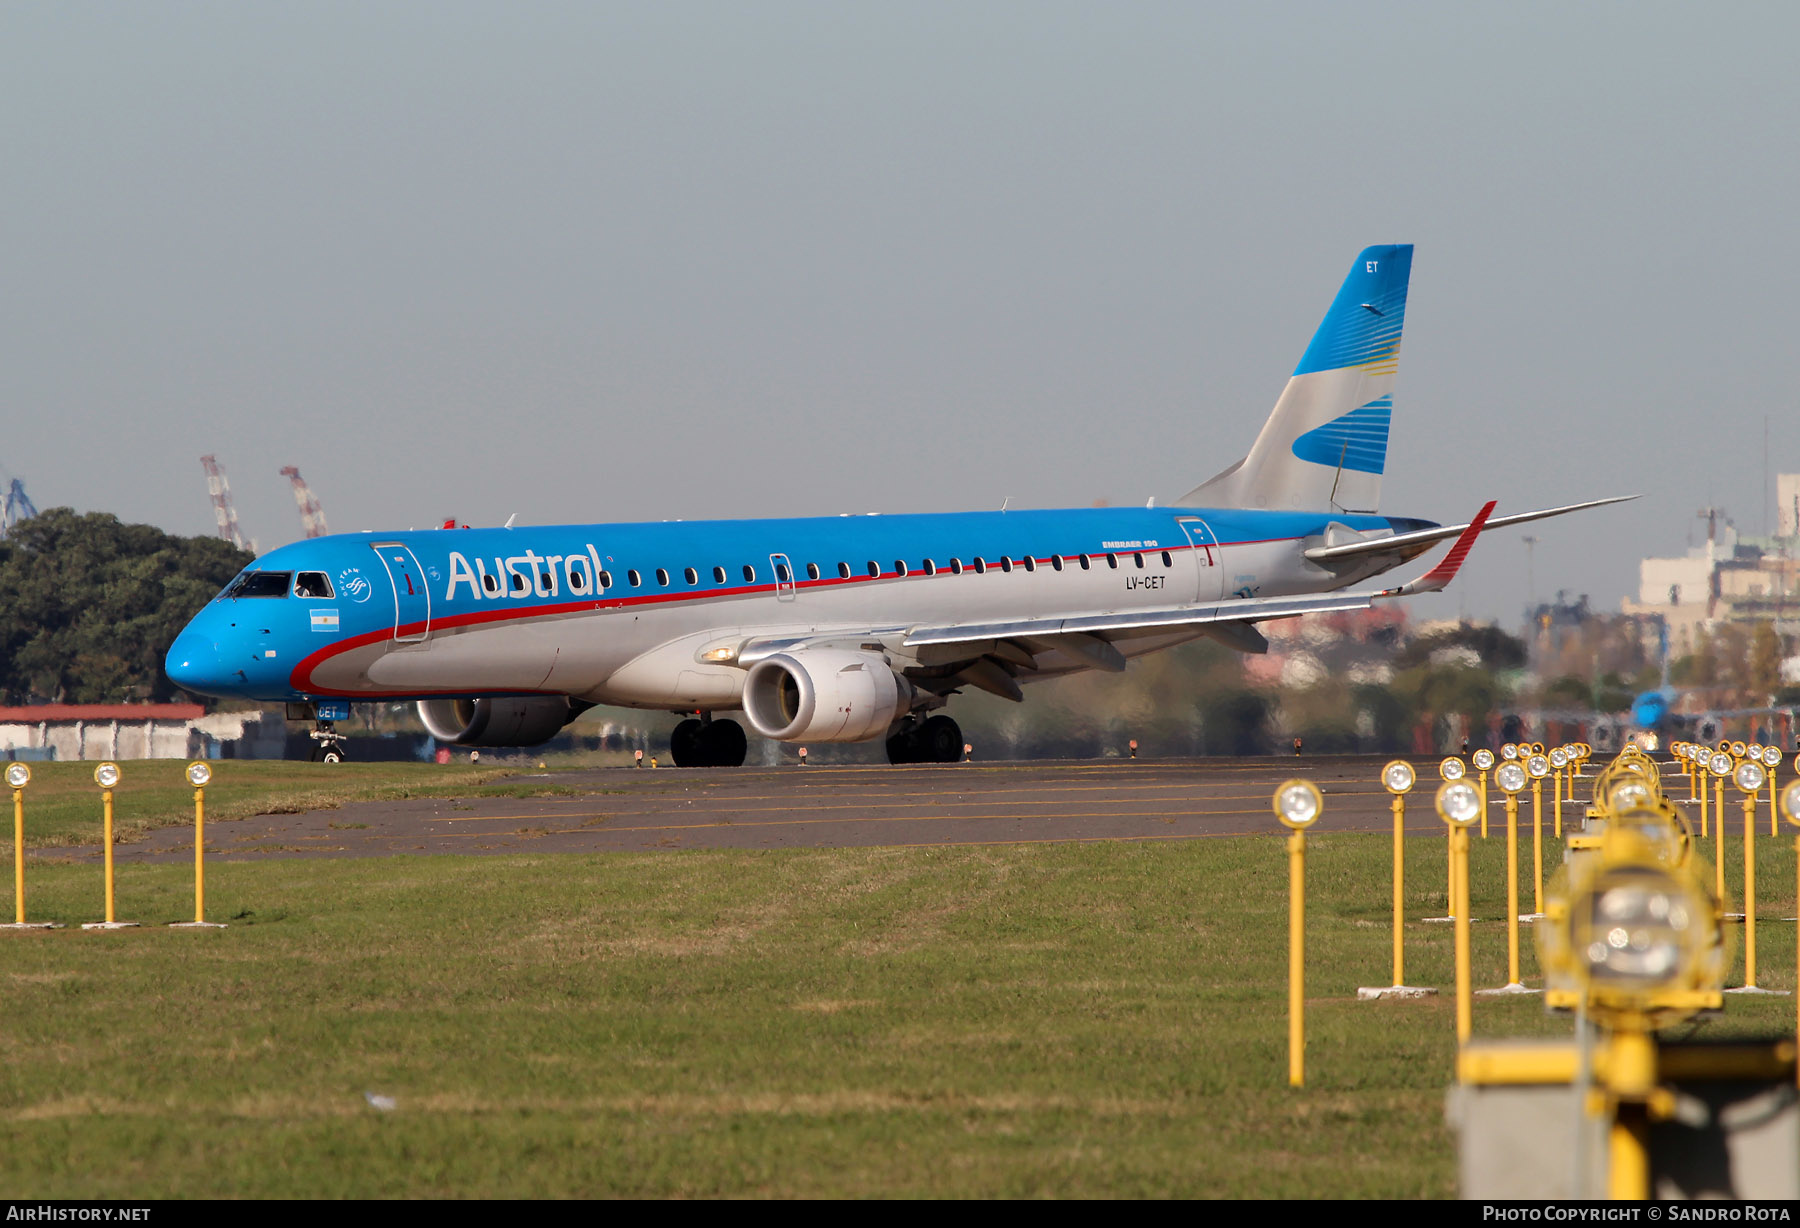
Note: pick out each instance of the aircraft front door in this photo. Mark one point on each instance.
(1209, 559)
(412, 598)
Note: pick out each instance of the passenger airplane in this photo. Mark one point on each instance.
(847, 628)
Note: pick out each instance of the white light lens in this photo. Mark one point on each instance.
(1484, 759)
(1559, 758)
(1538, 766)
(18, 775)
(1720, 765)
(1636, 933)
(1771, 756)
(1398, 776)
(106, 775)
(1510, 777)
(1509, 751)
(1737, 750)
(1628, 795)
(1452, 769)
(1750, 776)
(1790, 801)
(1755, 751)
(1297, 804)
(198, 774)
(1459, 802)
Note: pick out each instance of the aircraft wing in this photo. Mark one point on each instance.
(1237, 610)
(1417, 541)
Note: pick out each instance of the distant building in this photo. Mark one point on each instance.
(1730, 578)
(136, 731)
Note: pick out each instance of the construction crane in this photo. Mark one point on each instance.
(18, 507)
(223, 509)
(312, 516)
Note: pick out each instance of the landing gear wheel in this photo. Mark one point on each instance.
(684, 743)
(722, 744)
(903, 745)
(329, 752)
(938, 740)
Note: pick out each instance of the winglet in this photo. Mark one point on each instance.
(1440, 576)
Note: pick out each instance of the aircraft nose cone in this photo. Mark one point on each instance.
(193, 663)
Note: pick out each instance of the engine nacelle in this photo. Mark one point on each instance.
(824, 695)
(498, 722)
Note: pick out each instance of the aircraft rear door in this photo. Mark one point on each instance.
(412, 598)
(1209, 559)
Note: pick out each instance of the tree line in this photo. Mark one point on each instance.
(89, 605)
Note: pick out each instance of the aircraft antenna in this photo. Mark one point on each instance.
(224, 511)
(312, 516)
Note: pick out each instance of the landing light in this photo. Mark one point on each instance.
(1484, 759)
(1750, 776)
(1719, 764)
(1790, 801)
(1771, 757)
(1510, 777)
(1538, 766)
(18, 775)
(1459, 802)
(726, 653)
(1452, 769)
(198, 774)
(107, 775)
(1398, 776)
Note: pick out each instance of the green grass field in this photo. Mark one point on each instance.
(1037, 1020)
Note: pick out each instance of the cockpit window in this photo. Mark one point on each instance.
(259, 584)
(312, 584)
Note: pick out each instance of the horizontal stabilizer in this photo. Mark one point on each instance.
(1417, 542)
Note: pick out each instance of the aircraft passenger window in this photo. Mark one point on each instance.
(812, 571)
(956, 567)
(606, 579)
(1112, 561)
(930, 568)
(899, 567)
(843, 571)
(312, 584)
(1006, 563)
(718, 575)
(662, 576)
(490, 583)
(259, 584)
(980, 566)
(1030, 563)
(874, 570)
(1139, 556)
(633, 577)
(1084, 561)
(576, 581)
(549, 584)
(783, 574)
(518, 583)
(1167, 561)
(1056, 562)
(693, 577)
(749, 574)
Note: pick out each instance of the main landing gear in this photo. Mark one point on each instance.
(936, 739)
(708, 743)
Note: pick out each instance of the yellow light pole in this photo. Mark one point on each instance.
(1460, 806)
(1537, 766)
(1771, 759)
(1398, 779)
(1297, 805)
(1790, 809)
(1484, 763)
(1698, 756)
(107, 776)
(198, 774)
(1559, 759)
(1720, 766)
(1511, 778)
(18, 775)
(1749, 776)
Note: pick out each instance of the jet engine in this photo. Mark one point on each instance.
(498, 722)
(824, 695)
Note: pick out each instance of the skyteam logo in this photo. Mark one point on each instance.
(353, 584)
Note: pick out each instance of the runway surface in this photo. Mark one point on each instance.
(619, 810)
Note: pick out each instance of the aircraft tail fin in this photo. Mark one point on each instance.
(1324, 446)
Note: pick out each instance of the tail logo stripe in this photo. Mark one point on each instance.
(1357, 440)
